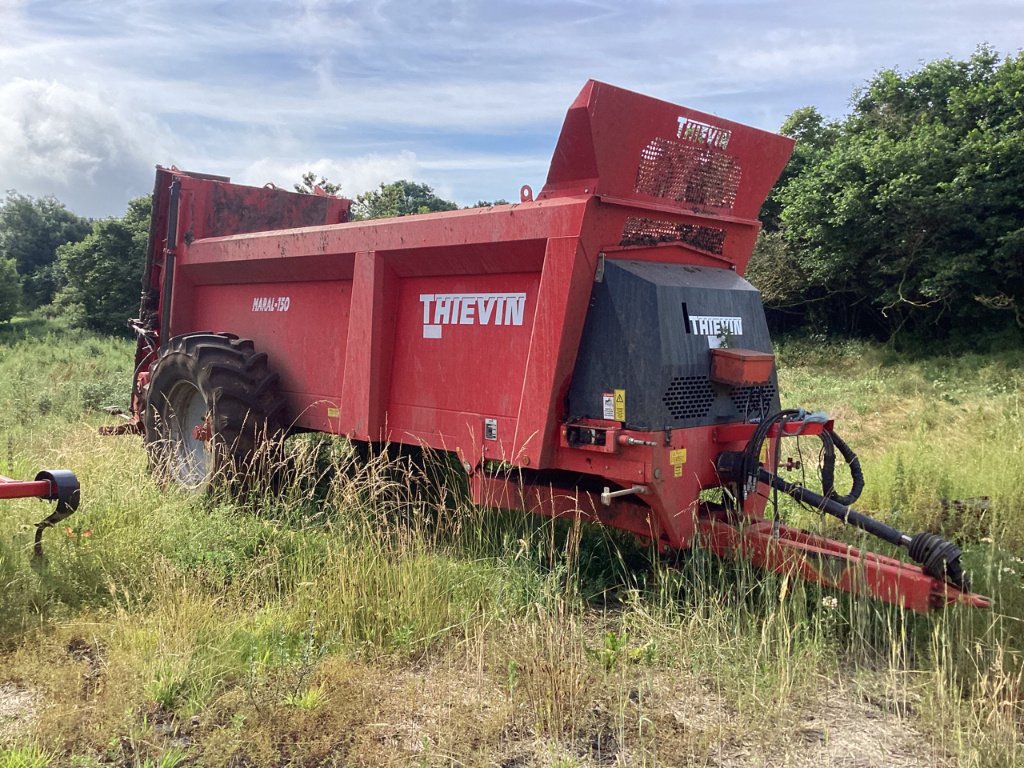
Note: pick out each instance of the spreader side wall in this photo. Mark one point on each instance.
(432, 355)
(421, 330)
(302, 326)
(460, 344)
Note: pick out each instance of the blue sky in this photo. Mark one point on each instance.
(465, 96)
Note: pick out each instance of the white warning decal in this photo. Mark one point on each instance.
(441, 309)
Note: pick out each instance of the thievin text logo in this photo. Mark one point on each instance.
(441, 309)
(703, 133)
(718, 329)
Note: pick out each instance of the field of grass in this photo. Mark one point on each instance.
(346, 621)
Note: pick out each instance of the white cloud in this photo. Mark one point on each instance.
(464, 179)
(789, 55)
(466, 97)
(354, 174)
(469, 162)
(10, 10)
(79, 144)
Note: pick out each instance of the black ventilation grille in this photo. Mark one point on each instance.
(644, 231)
(754, 402)
(688, 173)
(689, 397)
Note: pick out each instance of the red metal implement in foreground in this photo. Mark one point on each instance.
(59, 485)
(593, 351)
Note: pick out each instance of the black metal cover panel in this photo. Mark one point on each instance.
(648, 339)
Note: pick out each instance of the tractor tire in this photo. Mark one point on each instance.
(213, 413)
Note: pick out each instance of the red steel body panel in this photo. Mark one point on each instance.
(741, 367)
(368, 369)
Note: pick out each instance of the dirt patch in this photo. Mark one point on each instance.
(18, 707)
(646, 717)
(454, 710)
(432, 714)
(844, 732)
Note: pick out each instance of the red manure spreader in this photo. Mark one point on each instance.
(592, 351)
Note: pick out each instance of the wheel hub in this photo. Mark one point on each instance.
(191, 436)
(204, 431)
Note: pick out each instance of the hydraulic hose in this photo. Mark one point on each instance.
(65, 490)
(751, 460)
(831, 442)
(938, 558)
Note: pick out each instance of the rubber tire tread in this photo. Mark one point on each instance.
(239, 388)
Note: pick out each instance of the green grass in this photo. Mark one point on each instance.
(348, 622)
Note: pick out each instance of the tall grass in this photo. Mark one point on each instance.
(348, 614)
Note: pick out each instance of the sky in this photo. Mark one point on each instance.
(465, 96)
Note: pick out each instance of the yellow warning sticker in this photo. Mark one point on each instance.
(333, 413)
(677, 457)
(764, 453)
(620, 405)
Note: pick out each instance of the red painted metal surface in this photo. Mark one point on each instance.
(421, 329)
(553, 501)
(26, 489)
(58, 485)
(741, 367)
(832, 563)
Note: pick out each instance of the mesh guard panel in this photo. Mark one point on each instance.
(658, 158)
(689, 397)
(688, 173)
(640, 230)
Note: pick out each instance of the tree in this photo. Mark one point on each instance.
(399, 198)
(103, 272)
(908, 215)
(31, 230)
(310, 184)
(10, 289)
(814, 138)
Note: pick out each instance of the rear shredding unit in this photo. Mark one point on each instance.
(590, 352)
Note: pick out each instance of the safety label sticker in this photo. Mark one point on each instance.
(613, 405)
(608, 406)
(677, 457)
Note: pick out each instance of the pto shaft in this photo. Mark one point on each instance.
(939, 558)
